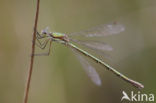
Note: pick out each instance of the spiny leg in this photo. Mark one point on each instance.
(40, 36)
(47, 53)
(42, 45)
(49, 48)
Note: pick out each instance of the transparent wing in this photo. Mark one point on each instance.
(95, 45)
(90, 70)
(102, 30)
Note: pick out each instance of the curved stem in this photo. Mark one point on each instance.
(26, 92)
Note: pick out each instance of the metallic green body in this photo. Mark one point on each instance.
(134, 83)
(57, 35)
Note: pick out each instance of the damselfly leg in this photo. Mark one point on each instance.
(43, 44)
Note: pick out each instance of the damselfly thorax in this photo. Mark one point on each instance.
(60, 36)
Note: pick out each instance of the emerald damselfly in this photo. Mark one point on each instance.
(98, 31)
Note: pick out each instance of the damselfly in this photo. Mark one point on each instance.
(98, 31)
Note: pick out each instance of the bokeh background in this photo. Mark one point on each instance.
(59, 78)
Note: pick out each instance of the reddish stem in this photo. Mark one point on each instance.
(26, 93)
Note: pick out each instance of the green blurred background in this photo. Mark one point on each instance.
(59, 78)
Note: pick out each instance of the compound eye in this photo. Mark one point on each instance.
(45, 31)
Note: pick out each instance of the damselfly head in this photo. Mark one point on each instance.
(45, 31)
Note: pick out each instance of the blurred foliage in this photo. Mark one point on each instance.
(59, 78)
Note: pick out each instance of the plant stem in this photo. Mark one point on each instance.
(26, 92)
